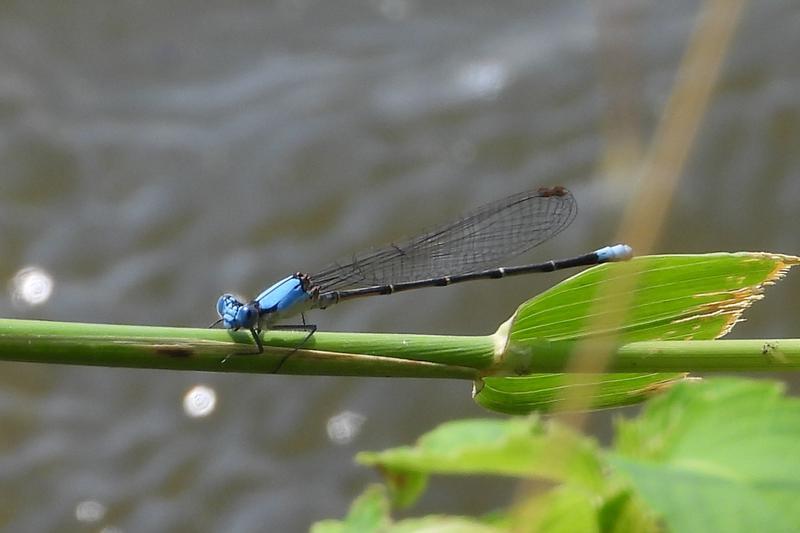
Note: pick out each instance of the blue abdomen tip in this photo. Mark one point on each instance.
(618, 252)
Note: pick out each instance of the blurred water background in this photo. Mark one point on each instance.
(153, 156)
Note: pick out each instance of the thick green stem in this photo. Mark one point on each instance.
(662, 356)
(350, 354)
(364, 354)
(716, 355)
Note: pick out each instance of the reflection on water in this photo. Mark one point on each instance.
(154, 157)
(484, 80)
(199, 401)
(90, 511)
(344, 427)
(31, 286)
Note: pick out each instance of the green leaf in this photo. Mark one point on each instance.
(568, 508)
(564, 509)
(546, 392)
(405, 486)
(625, 512)
(369, 512)
(443, 524)
(717, 456)
(516, 447)
(666, 297)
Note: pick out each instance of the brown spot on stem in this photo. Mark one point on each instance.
(173, 351)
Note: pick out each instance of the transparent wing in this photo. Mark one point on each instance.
(478, 241)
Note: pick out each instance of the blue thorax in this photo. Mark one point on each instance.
(286, 298)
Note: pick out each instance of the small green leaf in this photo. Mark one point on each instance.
(328, 526)
(369, 512)
(515, 447)
(717, 456)
(443, 524)
(567, 508)
(405, 486)
(564, 509)
(625, 512)
(545, 392)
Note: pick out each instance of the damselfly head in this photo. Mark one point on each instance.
(226, 303)
(247, 316)
(235, 314)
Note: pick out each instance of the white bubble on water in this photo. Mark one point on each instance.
(344, 427)
(199, 401)
(89, 511)
(31, 286)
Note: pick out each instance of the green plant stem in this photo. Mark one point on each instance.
(217, 350)
(362, 354)
(715, 355)
(667, 356)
